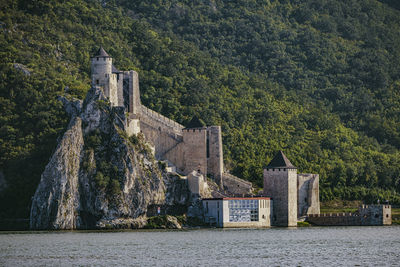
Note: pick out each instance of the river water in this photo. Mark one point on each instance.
(314, 246)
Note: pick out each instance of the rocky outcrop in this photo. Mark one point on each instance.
(57, 196)
(99, 177)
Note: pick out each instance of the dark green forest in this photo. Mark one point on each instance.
(319, 80)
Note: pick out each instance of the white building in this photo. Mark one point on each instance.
(238, 211)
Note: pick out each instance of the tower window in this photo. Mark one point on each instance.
(97, 81)
(97, 58)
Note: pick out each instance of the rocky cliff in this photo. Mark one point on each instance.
(100, 177)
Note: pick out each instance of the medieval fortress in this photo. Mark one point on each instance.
(198, 148)
(196, 151)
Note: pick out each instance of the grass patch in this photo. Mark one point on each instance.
(303, 224)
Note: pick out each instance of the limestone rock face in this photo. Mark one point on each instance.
(57, 196)
(98, 177)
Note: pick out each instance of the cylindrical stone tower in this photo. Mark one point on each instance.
(101, 70)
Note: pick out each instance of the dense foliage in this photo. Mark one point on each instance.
(317, 79)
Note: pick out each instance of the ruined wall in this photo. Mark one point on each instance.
(236, 186)
(215, 161)
(198, 185)
(308, 194)
(281, 185)
(133, 127)
(195, 150)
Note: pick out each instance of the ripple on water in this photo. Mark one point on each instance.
(205, 247)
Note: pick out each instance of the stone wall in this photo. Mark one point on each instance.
(215, 161)
(133, 127)
(366, 215)
(334, 219)
(158, 121)
(308, 194)
(195, 150)
(113, 89)
(281, 185)
(167, 145)
(133, 91)
(198, 184)
(375, 214)
(120, 90)
(236, 186)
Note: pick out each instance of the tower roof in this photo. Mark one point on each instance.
(101, 53)
(280, 161)
(195, 122)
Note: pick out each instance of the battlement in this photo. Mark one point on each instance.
(366, 215)
(155, 119)
(374, 206)
(194, 129)
(280, 169)
(338, 214)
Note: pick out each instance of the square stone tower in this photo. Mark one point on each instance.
(280, 183)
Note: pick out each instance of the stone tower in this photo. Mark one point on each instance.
(280, 183)
(103, 76)
(215, 158)
(195, 148)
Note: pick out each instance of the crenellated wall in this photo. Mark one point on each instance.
(157, 120)
(366, 215)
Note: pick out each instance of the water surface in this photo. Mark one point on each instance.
(315, 246)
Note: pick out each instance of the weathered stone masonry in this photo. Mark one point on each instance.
(188, 149)
(294, 195)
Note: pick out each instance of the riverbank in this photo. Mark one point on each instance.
(179, 222)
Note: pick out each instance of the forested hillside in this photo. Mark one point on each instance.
(317, 79)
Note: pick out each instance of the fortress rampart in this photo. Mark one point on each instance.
(195, 148)
(366, 215)
(157, 120)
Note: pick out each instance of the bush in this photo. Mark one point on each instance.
(115, 188)
(101, 180)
